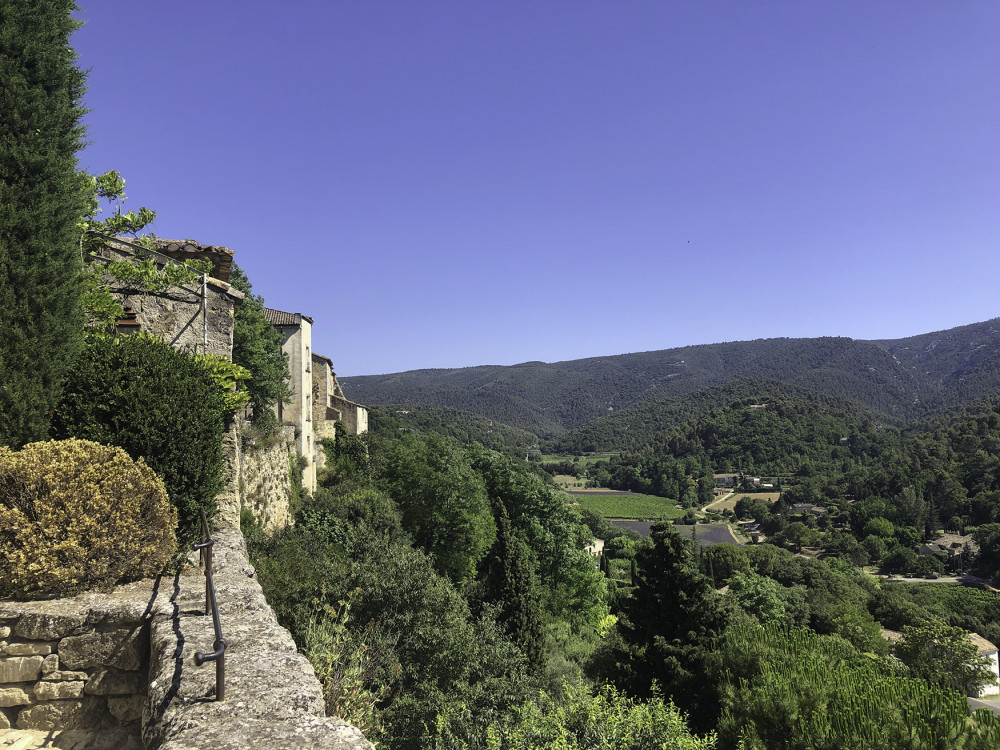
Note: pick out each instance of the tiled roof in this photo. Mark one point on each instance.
(279, 318)
(221, 257)
(983, 646)
(329, 361)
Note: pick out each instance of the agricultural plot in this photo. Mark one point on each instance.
(629, 506)
(705, 535)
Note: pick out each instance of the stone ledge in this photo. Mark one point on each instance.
(273, 698)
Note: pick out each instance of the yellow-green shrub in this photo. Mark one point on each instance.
(75, 514)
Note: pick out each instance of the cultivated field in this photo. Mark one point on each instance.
(628, 506)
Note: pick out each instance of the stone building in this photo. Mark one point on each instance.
(195, 316)
(317, 399)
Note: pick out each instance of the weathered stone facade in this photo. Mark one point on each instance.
(122, 664)
(256, 477)
(197, 317)
(330, 406)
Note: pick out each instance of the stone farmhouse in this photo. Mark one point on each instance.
(318, 401)
(197, 316)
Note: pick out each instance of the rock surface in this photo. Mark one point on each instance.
(273, 698)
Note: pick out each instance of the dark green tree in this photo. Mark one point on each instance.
(159, 404)
(673, 622)
(944, 655)
(42, 197)
(257, 347)
(511, 586)
(443, 500)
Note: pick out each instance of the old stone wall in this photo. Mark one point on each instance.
(176, 314)
(123, 665)
(81, 664)
(255, 477)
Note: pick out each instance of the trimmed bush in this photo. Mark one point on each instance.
(157, 403)
(76, 514)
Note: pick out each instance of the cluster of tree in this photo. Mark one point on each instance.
(646, 424)
(687, 480)
(468, 567)
(792, 655)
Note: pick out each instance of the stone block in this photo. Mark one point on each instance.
(87, 713)
(127, 709)
(35, 648)
(116, 682)
(4, 631)
(54, 691)
(20, 668)
(64, 676)
(50, 664)
(4, 721)
(15, 695)
(47, 627)
(124, 648)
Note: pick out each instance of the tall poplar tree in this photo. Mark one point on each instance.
(42, 197)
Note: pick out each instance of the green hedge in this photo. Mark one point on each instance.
(157, 403)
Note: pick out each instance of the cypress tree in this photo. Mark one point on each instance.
(42, 197)
(511, 585)
(672, 623)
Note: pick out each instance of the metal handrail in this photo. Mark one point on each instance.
(212, 608)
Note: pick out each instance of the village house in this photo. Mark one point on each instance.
(317, 401)
(197, 316)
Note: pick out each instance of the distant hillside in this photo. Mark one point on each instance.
(648, 423)
(464, 426)
(901, 378)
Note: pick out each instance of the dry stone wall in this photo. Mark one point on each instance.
(75, 664)
(255, 477)
(124, 661)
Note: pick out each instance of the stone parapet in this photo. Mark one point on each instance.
(125, 660)
(56, 656)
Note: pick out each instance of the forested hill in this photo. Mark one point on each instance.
(902, 378)
(645, 424)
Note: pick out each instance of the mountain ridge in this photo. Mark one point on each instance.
(904, 378)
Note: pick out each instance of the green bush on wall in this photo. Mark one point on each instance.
(76, 514)
(157, 403)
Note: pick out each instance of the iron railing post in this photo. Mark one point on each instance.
(212, 608)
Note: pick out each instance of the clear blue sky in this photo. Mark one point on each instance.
(443, 184)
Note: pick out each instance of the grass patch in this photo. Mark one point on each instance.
(582, 461)
(640, 507)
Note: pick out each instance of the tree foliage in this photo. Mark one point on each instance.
(257, 347)
(160, 405)
(795, 690)
(672, 623)
(577, 720)
(443, 500)
(42, 197)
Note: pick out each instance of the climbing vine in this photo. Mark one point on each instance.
(141, 276)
